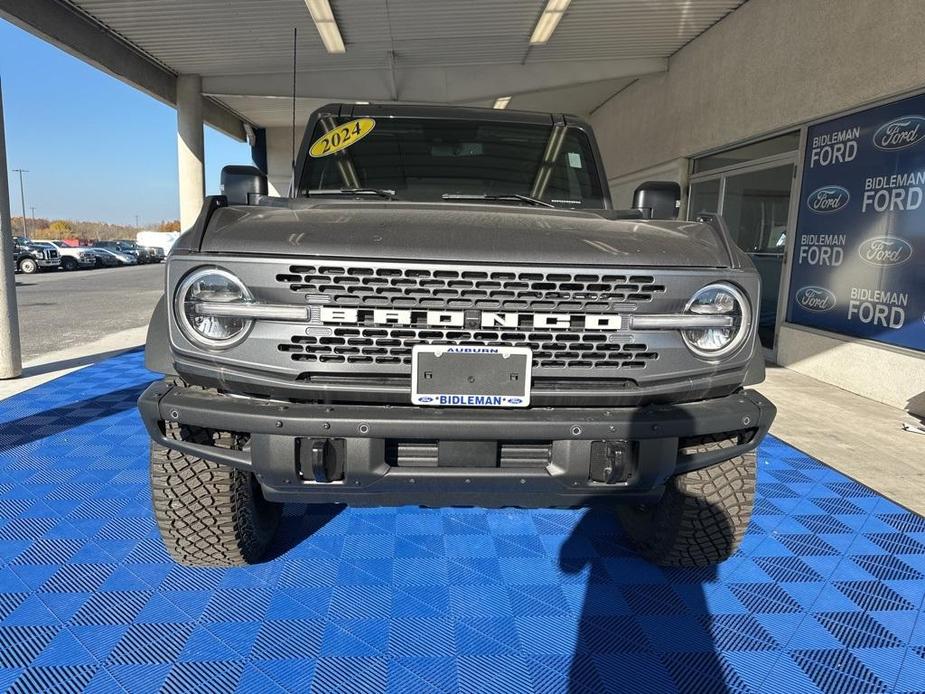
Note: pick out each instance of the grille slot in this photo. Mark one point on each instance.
(552, 349)
(512, 454)
(460, 289)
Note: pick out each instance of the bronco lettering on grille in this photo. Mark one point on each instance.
(457, 319)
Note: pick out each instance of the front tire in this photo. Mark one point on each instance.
(68, 264)
(28, 266)
(701, 518)
(209, 514)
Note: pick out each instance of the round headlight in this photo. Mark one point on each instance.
(198, 307)
(718, 300)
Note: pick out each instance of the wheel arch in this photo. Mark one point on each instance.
(157, 343)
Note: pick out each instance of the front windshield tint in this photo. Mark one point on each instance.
(423, 159)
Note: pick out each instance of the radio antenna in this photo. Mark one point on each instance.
(295, 49)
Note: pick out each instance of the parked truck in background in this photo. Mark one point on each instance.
(449, 311)
(29, 259)
(72, 257)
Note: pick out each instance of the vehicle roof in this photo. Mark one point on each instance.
(354, 110)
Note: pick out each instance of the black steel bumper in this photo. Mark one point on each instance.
(285, 440)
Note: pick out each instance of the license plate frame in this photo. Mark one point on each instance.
(470, 376)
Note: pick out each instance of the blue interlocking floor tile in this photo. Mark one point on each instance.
(825, 594)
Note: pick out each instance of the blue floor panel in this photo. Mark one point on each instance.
(825, 594)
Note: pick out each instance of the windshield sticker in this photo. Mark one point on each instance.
(341, 137)
(574, 160)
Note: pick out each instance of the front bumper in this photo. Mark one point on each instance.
(281, 438)
(46, 263)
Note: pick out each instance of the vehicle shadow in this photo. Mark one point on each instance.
(641, 628)
(57, 420)
(644, 628)
(61, 365)
(300, 522)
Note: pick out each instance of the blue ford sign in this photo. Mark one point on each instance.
(900, 133)
(859, 252)
(828, 199)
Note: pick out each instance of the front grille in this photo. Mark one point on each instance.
(551, 349)
(523, 290)
(435, 289)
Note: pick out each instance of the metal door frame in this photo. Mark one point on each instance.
(793, 158)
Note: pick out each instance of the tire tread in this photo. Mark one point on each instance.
(208, 514)
(703, 515)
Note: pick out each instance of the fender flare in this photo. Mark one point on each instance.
(157, 343)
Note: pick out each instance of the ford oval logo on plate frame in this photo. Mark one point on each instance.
(900, 133)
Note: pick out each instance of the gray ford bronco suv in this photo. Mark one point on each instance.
(447, 311)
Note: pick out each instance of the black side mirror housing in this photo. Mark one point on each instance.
(658, 199)
(239, 183)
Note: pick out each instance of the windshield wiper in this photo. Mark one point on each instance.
(501, 197)
(378, 192)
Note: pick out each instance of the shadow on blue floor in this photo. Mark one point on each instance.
(826, 592)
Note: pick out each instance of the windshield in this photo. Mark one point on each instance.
(427, 159)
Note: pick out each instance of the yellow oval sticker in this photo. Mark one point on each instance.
(342, 137)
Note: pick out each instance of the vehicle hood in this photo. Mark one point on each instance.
(462, 233)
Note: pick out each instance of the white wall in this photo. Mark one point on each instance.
(769, 66)
(279, 159)
(892, 376)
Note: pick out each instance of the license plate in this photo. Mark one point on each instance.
(470, 376)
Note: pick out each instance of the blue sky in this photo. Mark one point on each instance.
(96, 148)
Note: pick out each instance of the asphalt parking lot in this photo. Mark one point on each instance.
(58, 310)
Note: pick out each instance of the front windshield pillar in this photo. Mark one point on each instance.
(550, 156)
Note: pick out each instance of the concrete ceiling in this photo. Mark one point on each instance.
(437, 51)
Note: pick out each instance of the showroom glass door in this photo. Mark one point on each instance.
(754, 198)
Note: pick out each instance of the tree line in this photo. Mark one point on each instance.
(41, 228)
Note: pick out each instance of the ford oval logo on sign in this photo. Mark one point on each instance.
(885, 251)
(900, 133)
(828, 199)
(816, 299)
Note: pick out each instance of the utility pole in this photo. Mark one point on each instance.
(22, 199)
(10, 350)
(136, 221)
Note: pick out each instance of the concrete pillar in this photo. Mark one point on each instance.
(190, 148)
(10, 351)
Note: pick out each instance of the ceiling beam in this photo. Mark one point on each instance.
(79, 35)
(450, 84)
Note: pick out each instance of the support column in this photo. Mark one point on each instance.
(190, 148)
(10, 351)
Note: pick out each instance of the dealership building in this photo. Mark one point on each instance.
(803, 123)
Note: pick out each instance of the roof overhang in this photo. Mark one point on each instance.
(401, 51)
(78, 34)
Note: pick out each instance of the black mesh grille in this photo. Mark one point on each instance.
(551, 349)
(522, 290)
(516, 290)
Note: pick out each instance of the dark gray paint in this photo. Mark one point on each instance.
(495, 234)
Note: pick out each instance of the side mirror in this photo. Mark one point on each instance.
(658, 199)
(240, 182)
